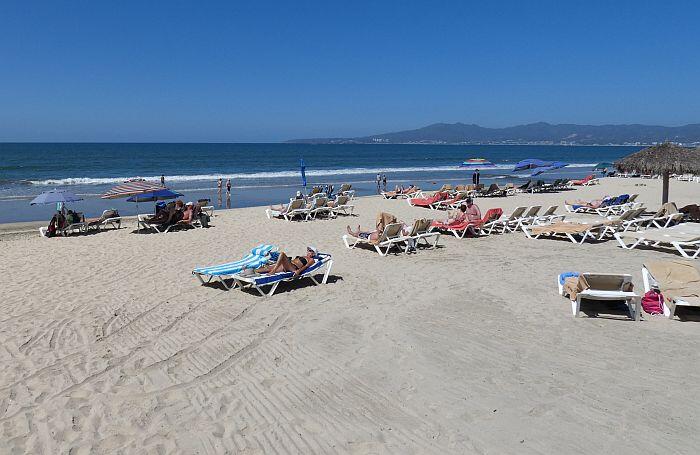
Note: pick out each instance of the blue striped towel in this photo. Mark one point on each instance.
(259, 256)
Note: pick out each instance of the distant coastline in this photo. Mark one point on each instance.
(540, 134)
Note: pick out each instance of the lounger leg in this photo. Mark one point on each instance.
(272, 289)
(329, 265)
(667, 311)
(576, 306)
(199, 277)
(636, 302)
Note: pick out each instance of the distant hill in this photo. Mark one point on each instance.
(533, 133)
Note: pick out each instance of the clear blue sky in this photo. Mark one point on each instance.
(268, 71)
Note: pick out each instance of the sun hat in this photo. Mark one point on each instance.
(313, 249)
(190, 203)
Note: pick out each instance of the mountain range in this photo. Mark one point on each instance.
(533, 133)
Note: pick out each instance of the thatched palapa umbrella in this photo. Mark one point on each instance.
(663, 159)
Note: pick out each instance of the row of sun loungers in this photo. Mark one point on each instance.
(318, 207)
(608, 206)
(242, 276)
(109, 217)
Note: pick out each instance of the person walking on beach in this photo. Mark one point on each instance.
(384, 181)
(162, 180)
(228, 188)
(475, 177)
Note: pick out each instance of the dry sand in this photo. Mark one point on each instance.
(109, 345)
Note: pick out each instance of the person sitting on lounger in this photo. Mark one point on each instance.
(473, 212)
(297, 265)
(187, 214)
(458, 216)
(57, 223)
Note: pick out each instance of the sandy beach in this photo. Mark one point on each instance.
(110, 345)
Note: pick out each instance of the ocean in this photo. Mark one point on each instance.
(260, 173)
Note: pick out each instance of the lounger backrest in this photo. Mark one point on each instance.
(296, 204)
(344, 187)
(492, 215)
(607, 281)
(391, 231)
(637, 213)
(532, 211)
(342, 200)
(550, 210)
(517, 213)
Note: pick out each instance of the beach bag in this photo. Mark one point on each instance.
(653, 302)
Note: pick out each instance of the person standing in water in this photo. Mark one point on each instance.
(162, 180)
(379, 183)
(219, 185)
(475, 177)
(384, 181)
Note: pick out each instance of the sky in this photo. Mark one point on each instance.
(266, 71)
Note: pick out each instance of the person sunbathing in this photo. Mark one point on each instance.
(297, 265)
(458, 216)
(399, 190)
(594, 204)
(383, 220)
(282, 208)
(187, 214)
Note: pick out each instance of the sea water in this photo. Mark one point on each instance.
(260, 174)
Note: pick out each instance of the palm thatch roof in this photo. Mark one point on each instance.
(662, 158)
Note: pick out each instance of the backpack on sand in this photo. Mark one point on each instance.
(653, 302)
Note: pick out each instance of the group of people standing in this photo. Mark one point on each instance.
(381, 182)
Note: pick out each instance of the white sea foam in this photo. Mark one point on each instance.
(269, 175)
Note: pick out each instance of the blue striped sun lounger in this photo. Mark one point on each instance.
(261, 281)
(259, 256)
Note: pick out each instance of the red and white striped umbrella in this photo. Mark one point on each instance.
(131, 188)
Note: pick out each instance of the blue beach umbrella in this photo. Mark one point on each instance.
(158, 195)
(531, 163)
(551, 167)
(55, 197)
(303, 172)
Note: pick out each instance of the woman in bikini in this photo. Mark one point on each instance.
(297, 265)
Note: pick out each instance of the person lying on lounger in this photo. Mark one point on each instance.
(401, 190)
(594, 204)
(297, 265)
(383, 220)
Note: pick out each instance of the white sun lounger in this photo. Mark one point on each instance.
(549, 216)
(593, 232)
(260, 282)
(606, 286)
(296, 207)
(627, 221)
(319, 206)
(342, 205)
(508, 223)
(669, 308)
(685, 239)
(421, 232)
(528, 218)
(258, 257)
(390, 237)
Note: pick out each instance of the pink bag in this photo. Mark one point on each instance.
(653, 302)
